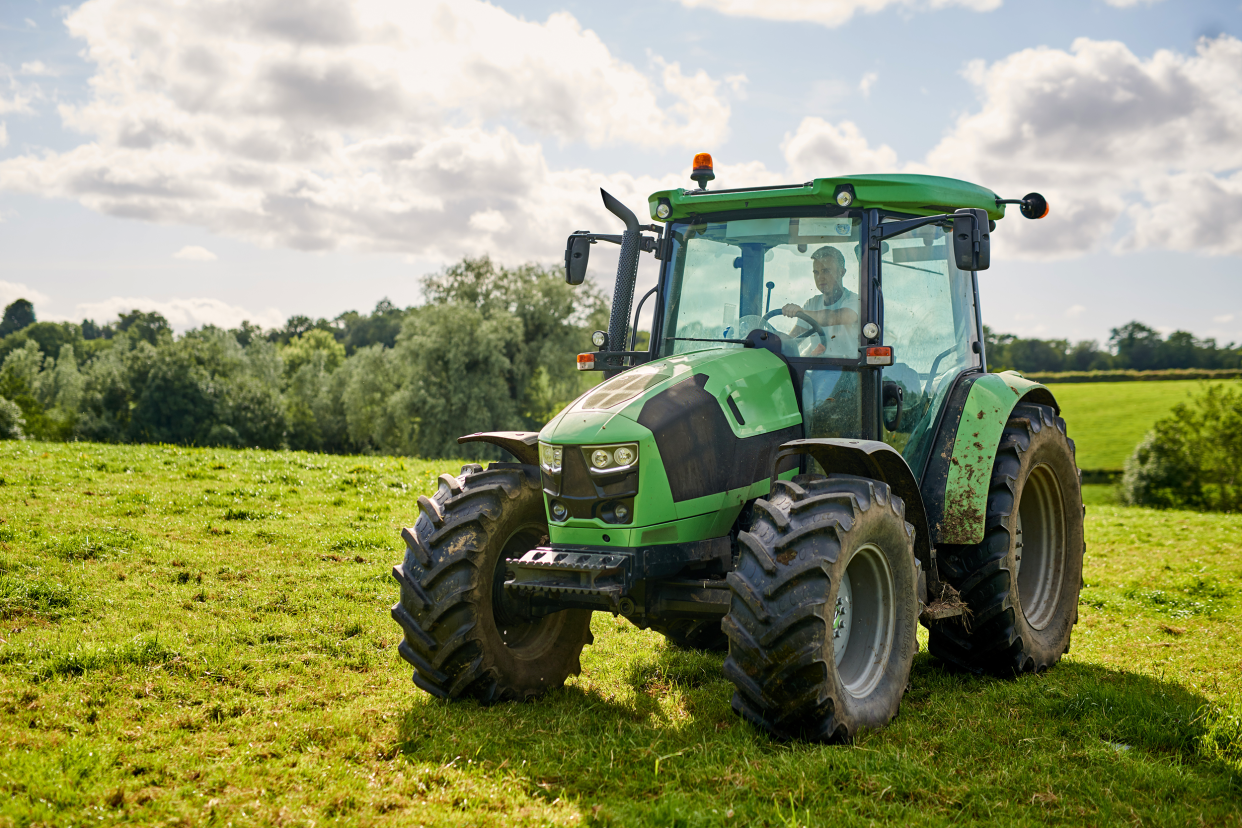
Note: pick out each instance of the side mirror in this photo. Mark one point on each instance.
(577, 251)
(971, 239)
(891, 400)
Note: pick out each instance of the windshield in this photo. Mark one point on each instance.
(797, 277)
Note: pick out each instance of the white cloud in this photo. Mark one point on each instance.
(1148, 148)
(1223, 318)
(12, 291)
(362, 124)
(1126, 4)
(4, 135)
(36, 67)
(819, 149)
(830, 13)
(1074, 311)
(182, 314)
(31, 23)
(868, 81)
(194, 253)
(18, 99)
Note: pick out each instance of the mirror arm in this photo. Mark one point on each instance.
(896, 228)
(598, 237)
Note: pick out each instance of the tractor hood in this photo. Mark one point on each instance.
(704, 427)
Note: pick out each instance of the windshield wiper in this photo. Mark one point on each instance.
(700, 339)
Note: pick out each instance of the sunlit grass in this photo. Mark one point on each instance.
(1108, 419)
(202, 637)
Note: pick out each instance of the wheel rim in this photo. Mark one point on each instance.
(1039, 547)
(524, 637)
(864, 621)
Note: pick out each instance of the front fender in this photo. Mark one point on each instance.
(524, 445)
(959, 472)
(879, 461)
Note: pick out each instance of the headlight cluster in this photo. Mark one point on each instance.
(550, 456)
(606, 458)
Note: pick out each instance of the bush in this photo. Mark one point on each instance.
(1191, 459)
(11, 421)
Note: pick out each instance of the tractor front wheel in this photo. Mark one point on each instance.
(1021, 582)
(464, 634)
(824, 609)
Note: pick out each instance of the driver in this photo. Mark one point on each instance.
(836, 306)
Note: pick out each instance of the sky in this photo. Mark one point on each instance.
(221, 160)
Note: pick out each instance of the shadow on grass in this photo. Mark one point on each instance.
(663, 727)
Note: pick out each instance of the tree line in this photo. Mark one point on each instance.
(1134, 346)
(492, 348)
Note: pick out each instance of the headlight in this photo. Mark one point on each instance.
(611, 458)
(550, 456)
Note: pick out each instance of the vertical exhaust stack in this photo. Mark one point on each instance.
(627, 277)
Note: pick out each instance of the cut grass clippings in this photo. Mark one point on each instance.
(162, 662)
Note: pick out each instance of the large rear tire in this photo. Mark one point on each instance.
(1022, 581)
(824, 609)
(464, 635)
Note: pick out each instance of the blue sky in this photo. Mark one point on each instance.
(221, 160)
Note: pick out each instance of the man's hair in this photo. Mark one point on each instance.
(830, 252)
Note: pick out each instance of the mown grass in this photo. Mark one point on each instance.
(202, 637)
(1108, 419)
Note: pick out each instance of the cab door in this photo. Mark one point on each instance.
(929, 320)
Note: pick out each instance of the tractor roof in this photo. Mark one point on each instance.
(920, 195)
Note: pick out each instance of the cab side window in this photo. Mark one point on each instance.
(929, 320)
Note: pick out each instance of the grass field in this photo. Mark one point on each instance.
(1108, 419)
(202, 637)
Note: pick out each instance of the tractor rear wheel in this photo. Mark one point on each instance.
(464, 634)
(1021, 582)
(824, 609)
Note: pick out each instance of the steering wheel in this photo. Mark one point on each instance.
(815, 326)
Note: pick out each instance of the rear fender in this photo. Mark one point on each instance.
(524, 445)
(959, 472)
(879, 461)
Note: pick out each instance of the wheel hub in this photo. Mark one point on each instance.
(842, 621)
(1039, 546)
(864, 621)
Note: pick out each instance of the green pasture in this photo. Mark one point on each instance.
(1108, 419)
(201, 637)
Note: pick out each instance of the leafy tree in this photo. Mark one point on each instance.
(18, 315)
(1191, 459)
(177, 403)
(148, 326)
(92, 331)
(302, 350)
(1137, 346)
(11, 421)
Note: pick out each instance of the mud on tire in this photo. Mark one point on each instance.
(824, 609)
(1022, 581)
(463, 635)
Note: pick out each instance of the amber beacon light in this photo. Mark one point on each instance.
(702, 172)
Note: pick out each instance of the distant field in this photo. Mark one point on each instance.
(201, 637)
(1108, 419)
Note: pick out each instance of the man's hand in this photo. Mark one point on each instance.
(791, 309)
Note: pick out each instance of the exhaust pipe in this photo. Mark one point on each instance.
(627, 278)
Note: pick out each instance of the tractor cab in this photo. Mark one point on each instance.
(868, 356)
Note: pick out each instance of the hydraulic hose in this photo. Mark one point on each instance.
(627, 277)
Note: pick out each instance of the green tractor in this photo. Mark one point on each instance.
(808, 460)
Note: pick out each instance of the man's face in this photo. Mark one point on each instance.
(828, 273)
